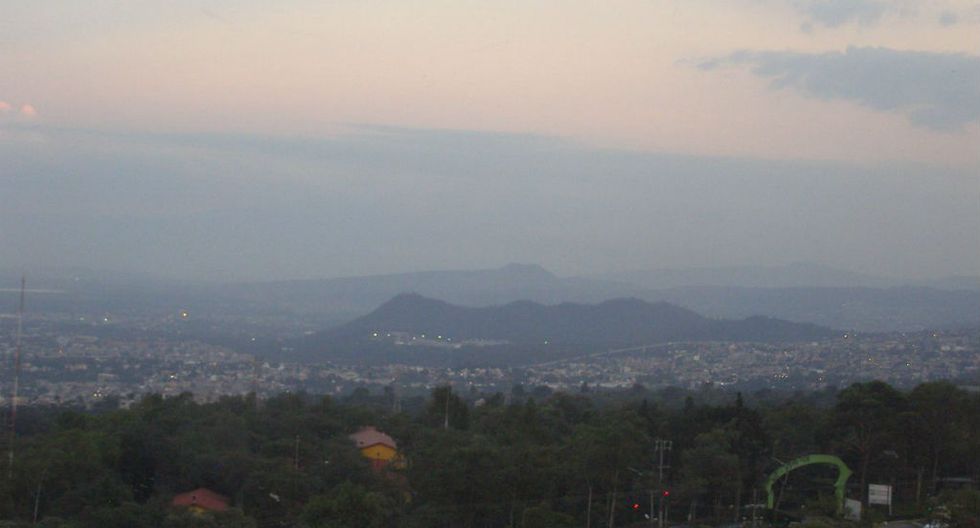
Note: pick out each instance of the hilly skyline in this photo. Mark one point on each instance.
(801, 292)
(606, 264)
(411, 328)
(625, 321)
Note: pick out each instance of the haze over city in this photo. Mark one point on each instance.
(243, 140)
(486, 264)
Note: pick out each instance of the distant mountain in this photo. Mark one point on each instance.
(347, 298)
(801, 274)
(618, 322)
(335, 300)
(799, 293)
(85, 292)
(796, 275)
(963, 282)
(904, 308)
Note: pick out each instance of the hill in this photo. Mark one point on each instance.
(835, 299)
(795, 275)
(529, 326)
(807, 293)
(349, 297)
(905, 308)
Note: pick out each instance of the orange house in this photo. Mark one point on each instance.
(377, 447)
(201, 500)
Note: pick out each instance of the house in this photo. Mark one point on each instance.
(201, 500)
(376, 446)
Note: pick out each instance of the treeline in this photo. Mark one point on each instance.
(527, 459)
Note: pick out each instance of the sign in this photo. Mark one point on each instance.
(852, 509)
(879, 494)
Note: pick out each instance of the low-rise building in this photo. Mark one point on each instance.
(201, 500)
(376, 446)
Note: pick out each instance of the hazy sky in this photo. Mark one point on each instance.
(243, 139)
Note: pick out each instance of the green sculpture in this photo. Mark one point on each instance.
(843, 473)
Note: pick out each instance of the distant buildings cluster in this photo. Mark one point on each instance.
(69, 364)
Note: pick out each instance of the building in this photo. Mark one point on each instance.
(201, 500)
(377, 447)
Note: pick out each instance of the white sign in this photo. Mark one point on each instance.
(852, 509)
(879, 494)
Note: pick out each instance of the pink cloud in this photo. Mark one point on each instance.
(4, 107)
(28, 110)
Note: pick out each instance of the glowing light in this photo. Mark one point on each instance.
(28, 111)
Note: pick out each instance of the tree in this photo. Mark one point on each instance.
(602, 455)
(710, 469)
(793, 428)
(232, 518)
(933, 423)
(749, 443)
(447, 409)
(866, 422)
(543, 517)
(348, 505)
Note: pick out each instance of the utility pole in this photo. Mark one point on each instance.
(588, 509)
(449, 392)
(653, 518)
(37, 495)
(662, 446)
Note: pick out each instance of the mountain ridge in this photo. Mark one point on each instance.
(614, 322)
(793, 275)
(328, 302)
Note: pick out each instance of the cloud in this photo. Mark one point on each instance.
(383, 199)
(27, 110)
(4, 107)
(835, 13)
(948, 18)
(934, 90)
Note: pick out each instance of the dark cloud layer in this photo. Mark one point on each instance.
(934, 90)
(386, 199)
(948, 18)
(834, 13)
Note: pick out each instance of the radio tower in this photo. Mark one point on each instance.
(16, 386)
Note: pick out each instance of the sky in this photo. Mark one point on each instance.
(248, 140)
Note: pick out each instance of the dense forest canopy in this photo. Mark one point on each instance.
(531, 458)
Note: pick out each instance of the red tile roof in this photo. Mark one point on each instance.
(202, 498)
(369, 436)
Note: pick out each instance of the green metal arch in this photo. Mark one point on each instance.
(843, 473)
